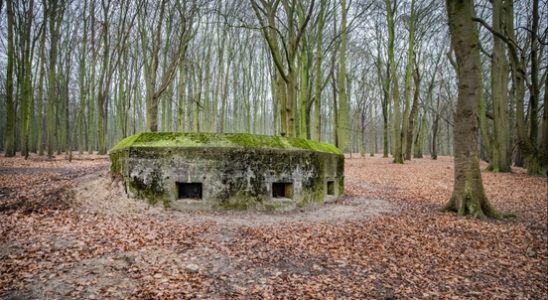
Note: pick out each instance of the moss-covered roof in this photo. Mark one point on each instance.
(238, 140)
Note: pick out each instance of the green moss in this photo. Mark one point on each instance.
(313, 195)
(116, 161)
(125, 142)
(238, 202)
(239, 140)
(314, 146)
(115, 167)
(152, 191)
(152, 197)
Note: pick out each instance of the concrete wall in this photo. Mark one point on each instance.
(237, 178)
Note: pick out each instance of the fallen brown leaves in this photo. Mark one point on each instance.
(41, 184)
(50, 250)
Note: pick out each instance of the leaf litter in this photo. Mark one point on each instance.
(68, 230)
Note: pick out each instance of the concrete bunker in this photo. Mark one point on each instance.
(228, 171)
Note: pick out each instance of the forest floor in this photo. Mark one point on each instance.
(68, 231)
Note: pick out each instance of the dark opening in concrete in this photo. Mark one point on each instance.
(282, 190)
(189, 190)
(331, 187)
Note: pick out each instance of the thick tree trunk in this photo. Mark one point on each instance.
(468, 196)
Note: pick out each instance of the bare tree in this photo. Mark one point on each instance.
(468, 196)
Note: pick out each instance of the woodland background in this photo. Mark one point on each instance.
(369, 76)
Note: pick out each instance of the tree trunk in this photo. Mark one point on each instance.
(67, 144)
(468, 197)
(413, 113)
(533, 160)
(335, 108)
(517, 70)
(419, 138)
(91, 88)
(545, 128)
(222, 121)
(25, 80)
(40, 97)
(343, 118)
(181, 98)
(372, 131)
(396, 120)
(385, 111)
(303, 87)
(318, 74)
(82, 83)
(499, 162)
(9, 137)
(362, 137)
(534, 90)
(52, 80)
(102, 121)
(435, 127)
(103, 89)
(407, 132)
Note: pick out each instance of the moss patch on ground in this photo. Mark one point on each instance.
(238, 140)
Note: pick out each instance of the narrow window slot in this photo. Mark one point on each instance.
(189, 190)
(282, 190)
(331, 188)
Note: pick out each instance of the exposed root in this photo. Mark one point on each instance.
(477, 207)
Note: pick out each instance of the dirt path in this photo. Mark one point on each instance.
(69, 231)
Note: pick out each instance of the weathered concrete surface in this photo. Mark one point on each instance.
(235, 171)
